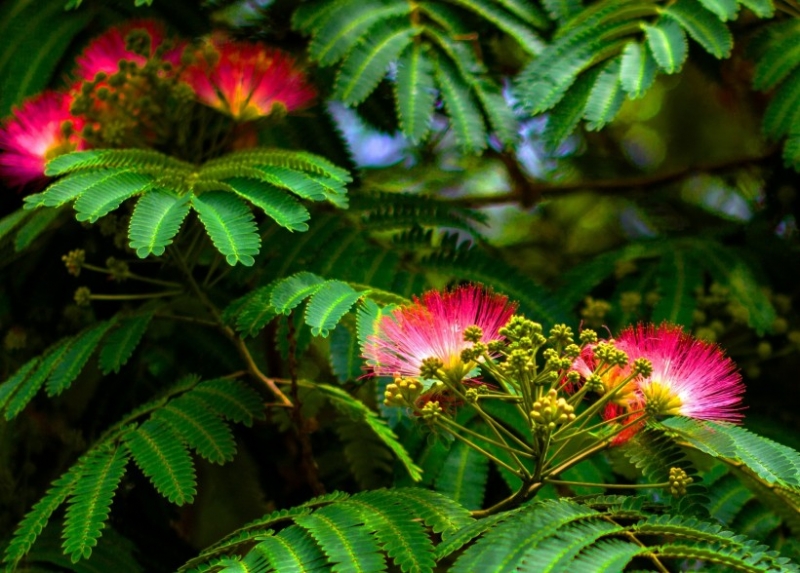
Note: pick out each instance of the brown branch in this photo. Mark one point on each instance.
(307, 460)
(240, 345)
(527, 192)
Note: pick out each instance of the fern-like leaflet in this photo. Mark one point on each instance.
(159, 445)
(220, 191)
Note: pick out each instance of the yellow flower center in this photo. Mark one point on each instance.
(660, 400)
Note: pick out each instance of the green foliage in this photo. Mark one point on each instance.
(159, 445)
(100, 180)
(21, 21)
(635, 38)
(366, 37)
(348, 533)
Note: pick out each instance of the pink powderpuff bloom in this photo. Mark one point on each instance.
(689, 378)
(433, 327)
(106, 51)
(246, 80)
(39, 130)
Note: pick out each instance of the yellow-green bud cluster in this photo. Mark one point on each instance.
(431, 411)
(472, 395)
(561, 334)
(118, 269)
(643, 367)
(607, 352)
(588, 336)
(520, 363)
(403, 392)
(473, 334)
(519, 326)
(678, 480)
(595, 384)
(74, 260)
(551, 411)
(430, 368)
(83, 296)
(475, 352)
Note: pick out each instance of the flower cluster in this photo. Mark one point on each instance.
(647, 371)
(246, 80)
(134, 85)
(427, 339)
(672, 374)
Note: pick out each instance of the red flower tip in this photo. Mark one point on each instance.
(433, 327)
(39, 130)
(106, 51)
(246, 80)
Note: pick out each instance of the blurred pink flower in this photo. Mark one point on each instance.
(246, 80)
(40, 129)
(106, 51)
(689, 378)
(433, 327)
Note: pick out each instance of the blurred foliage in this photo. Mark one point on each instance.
(524, 153)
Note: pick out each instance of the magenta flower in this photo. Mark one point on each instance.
(689, 378)
(433, 327)
(106, 51)
(39, 130)
(247, 80)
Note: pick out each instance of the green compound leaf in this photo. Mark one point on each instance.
(465, 116)
(156, 220)
(10, 386)
(415, 92)
(164, 459)
(338, 530)
(284, 209)
(31, 57)
(230, 225)
(606, 96)
(497, 109)
(12, 221)
(527, 39)
(140, 160)
(668, 44)
(70, 187)
(356, 409)
(778, 60)
(38, 517)
(290, 292)
(782, 112)
(703, 26)
(103, 198)
(723, 9)
(75, 358)
(366, 65)
(463, 476)
(37, 224)
(343, 30)
(565, 116)
(679, 275)
(761, 8)
(231, 400)
(638, 70)
(122, 341)
(329, 304)
(256, 312)
(199, 428)
(25, 393)
(90, 503)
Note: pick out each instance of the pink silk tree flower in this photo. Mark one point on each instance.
(39, 130)
(689, 377)
(433, 327)
(106, 51)
(246, 80)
